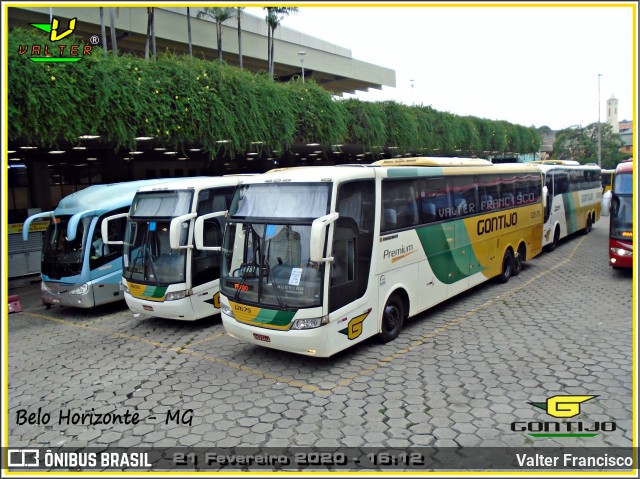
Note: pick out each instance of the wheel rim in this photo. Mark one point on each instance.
(392, 318)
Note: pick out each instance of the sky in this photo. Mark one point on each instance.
(528, 65)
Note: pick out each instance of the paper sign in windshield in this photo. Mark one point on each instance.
(294, 279)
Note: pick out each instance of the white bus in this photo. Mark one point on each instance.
(317, 259)
(163, 274)
(574, 197)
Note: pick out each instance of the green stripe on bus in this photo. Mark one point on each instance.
(437, 240)
(155, 291)
(274, 317)
(408, 172)
(571, 211)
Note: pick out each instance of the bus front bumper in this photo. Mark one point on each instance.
(309, 342)
(181, 310)
(64, 294)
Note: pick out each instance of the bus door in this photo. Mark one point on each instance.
(352, 250)
(105, 260)
(205, 264)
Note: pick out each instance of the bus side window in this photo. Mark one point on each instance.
(428, 211)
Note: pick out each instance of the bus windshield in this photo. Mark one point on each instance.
(622, 207)
(61, 257)
(148, 257)
(303, 201)
(268, 264)
(623, 184)
(164, 204)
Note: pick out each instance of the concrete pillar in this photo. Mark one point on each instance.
(114, 169)
(39, 184)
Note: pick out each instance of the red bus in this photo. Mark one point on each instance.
(621, 217)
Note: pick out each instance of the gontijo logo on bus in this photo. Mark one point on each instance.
(41, 53)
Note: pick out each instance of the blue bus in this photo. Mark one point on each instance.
(77, 269)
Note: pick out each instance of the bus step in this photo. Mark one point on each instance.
(14, 304)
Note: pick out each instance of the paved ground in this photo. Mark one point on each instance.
(459, 375)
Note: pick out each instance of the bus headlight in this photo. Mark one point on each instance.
(44, 287)
(175, 295)
(125, 288)
(621, 252)
(309, 323)
(82, 289)
(226, 309)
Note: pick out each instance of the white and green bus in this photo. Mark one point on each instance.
(574, 197)
(317, 259)
(164, 274)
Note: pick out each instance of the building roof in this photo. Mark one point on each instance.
(331, 66)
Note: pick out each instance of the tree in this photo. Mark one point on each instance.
(273, 19)
(581, 144)
(239, 17)
(219, 15)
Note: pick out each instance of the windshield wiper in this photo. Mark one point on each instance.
(275, 286)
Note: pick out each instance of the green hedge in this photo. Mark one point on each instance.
(184, 100)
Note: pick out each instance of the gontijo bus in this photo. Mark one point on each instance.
(317, 259)
(574, 196)
(77, 269)
(163, 274)
(607, 180)
(621, 217)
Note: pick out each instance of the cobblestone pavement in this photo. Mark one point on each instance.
(458, 375)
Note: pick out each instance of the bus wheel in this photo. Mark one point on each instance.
(590, 223)
(556, 239)
(392, 318)
(519, 260)
(587, 227)
(507, 266)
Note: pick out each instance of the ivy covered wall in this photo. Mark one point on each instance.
(183, 100)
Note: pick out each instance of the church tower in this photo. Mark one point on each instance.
(612, 113)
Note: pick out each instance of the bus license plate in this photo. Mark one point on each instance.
(262, 337)
(147, 308)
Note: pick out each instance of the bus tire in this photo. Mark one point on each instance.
(556, 239)
(519, 260)
(507, 266)
(392, 318)
(588, 227)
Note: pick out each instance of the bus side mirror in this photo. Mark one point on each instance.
(545, 192)
(318, 234)
(29, 220)
(175, 231)
(199, 231)
(104, 228)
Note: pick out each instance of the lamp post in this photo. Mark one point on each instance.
(599, 132)
(301, 54)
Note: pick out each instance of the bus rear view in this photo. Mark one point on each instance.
(621, 218)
